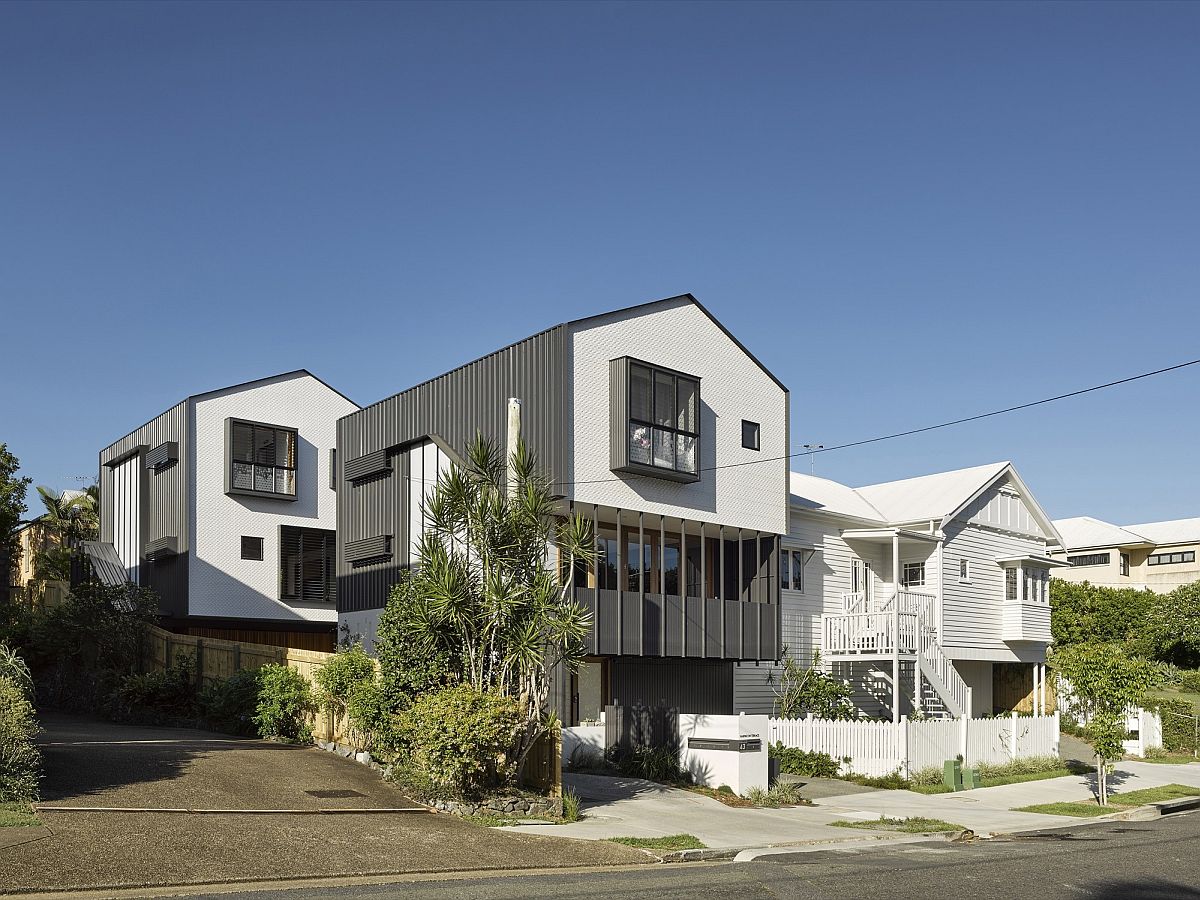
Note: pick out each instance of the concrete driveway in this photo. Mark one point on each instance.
(145, 771)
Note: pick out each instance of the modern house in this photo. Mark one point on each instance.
(928, 594)
(655, 422)
(225, 505)
(1157, 556)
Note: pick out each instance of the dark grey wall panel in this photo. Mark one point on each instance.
(364, 585)
(453, 407)
(694, 629)
(164, 498)
(606, 624)
(691, 686)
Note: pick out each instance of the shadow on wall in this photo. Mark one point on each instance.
(214, 592)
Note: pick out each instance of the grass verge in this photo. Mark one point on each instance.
(17, 815)
(997, 781)
(911, 825)
(669, 842)
(1116, 802)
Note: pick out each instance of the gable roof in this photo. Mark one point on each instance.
(823, 495)
(1082, 532)
(940, 496)
(936, 496)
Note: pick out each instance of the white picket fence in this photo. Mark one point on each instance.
(878, 748)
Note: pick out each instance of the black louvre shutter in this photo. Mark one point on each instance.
(306, 565)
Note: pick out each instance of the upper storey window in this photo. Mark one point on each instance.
(261, 459)
(656, 421)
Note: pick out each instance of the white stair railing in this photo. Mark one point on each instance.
(940, 671)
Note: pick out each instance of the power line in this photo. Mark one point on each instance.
(927, 428)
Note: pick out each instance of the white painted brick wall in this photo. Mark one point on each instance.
(732, 388)
(220, 582)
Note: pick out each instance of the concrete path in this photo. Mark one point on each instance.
(100, 764)
(616, 807)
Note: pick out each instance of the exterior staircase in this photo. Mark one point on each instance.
(903, 625)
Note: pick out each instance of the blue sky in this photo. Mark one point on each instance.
(910, 212)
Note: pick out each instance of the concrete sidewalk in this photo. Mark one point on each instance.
(630, 807)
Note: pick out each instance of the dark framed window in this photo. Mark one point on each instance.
(656, 421)
(1125, 564)
(261, 459)
(791, 570)
(1090, 559)
(252, 547)
(306, 564)
(750, 435)
(1168, 559)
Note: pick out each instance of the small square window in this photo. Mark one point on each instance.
(964, 571)
(750, 435)
(252, 547)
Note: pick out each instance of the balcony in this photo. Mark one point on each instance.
(1026, 622)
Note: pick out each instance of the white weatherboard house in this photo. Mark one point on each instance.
(225, 506)
(1156, 556)
(929, 593)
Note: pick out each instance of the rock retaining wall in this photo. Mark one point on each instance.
(516, 807)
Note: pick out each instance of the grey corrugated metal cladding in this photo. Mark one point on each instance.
(453, 407)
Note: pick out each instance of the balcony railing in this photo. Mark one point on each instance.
(869, 634)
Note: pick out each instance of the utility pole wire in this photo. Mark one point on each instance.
(900, 434)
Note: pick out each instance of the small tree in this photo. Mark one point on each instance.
(12, 507)
(488, 604)
(1105, 682)
(801, 690)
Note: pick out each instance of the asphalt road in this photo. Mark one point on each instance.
(1112, 860)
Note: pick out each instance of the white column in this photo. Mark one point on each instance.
(896, 627)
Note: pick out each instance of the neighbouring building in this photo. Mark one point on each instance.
(1158, 556)
(656, 423)
(926, 594)
(225, 506)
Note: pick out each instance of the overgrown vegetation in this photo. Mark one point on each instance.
(230, 704)
(157, 698)
(1181, 726)
(20, 760)
(571, 806)
(651, 763)
(1033, 768)
(665, 843)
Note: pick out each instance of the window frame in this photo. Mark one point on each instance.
(793, 558)
(1094, 559)
(756, 441)
(1123, 563)
(230, 424)
(329, 539)
(623, 420)
(964, 570)
(905, 584)
(255, 541)
(1185, 557)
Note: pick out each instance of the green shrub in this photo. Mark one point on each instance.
(341, 674)
(570, 806)
(1189, 680)
(230, 704)
(284, 704)
(1030, 765)
(892, 781)
(783, 794)
(814, 764)
(372, 720)
(925, 777)
(758, 797)
(652, 763)
(157, 697)
(20, 761)
(15, 669)
(1179, 725)
(458, 739)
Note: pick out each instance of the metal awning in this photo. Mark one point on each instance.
(105, 562)
(1032, 559)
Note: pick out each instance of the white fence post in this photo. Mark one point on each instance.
(962, 737)
(901, 746)
(1057, 733)
(1012, 738)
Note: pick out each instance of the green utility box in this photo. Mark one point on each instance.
(952, 775)
(970, 779)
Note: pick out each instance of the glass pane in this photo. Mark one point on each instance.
(641, 404)
(285, 482)
(639, 444)
(671, 565)
(686, 405)
(264, 478)
(264, 446)
(242, 442)
(243, 476)
(685, 453)
(664, 448)
(285, 449)
(785, 574)
(797, 571)
(664, 399)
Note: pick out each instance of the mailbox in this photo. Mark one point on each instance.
(733, 745)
